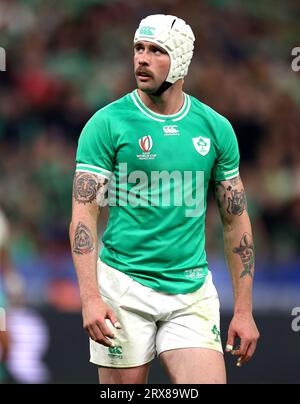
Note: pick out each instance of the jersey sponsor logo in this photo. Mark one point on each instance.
(146, 143)
(202, 145)
(148, 31)
(171, 130)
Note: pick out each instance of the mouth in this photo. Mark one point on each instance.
(143, 76)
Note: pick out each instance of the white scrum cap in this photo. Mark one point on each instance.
(174, 36)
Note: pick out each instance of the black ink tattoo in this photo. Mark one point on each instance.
(237, 202)
(230, 199)
(83, 240)
(246, 252)
(86, 186)
(235, 181)
(220, 194)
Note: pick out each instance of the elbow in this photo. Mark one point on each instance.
(228, 224)
(236, 223)
(227, 227)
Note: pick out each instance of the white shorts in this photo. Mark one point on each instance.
(153, 322)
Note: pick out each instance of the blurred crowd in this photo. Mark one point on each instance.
(66, 59)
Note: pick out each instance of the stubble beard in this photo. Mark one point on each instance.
(147, 88)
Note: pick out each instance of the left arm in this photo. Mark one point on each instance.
(239, 253)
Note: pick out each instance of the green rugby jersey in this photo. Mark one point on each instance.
(159, 167)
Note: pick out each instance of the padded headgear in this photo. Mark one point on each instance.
(174, 36)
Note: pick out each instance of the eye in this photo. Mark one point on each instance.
(138, 48)
(157, 51)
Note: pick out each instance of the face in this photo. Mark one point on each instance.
(151, 66)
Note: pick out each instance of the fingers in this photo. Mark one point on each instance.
(113, 319)
(102, 331)
(239, 350)
(245, 351)
(248, 354)
(99, 321)
(245, 342)
(96, 334)
(106, 328)
(91, 333)
(235, 350)
(244, 328)
(230, 340)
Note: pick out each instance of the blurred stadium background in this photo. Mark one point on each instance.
(65, 60)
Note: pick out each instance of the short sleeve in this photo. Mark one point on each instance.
(95, 152)
(227, 162)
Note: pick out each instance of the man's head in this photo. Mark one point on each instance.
(163, 51)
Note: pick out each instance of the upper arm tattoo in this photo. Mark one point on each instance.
(87, 187)
(230, 198)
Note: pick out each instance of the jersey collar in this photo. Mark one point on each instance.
(159, 117)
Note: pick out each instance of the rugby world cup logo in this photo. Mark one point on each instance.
(146, 143)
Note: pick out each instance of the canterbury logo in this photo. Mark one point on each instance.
(171, 129)
(116, 350)
(149, 31)
(146, 143)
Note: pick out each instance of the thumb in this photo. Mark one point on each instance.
(113, 319)
(230, 340)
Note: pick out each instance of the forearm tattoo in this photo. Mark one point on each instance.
(86, 187)
(231, 200)
(246, 252)
(83, 241)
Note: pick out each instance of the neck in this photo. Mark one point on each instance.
(168, 103)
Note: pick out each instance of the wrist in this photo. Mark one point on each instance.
(242, 311)
(87, 298)
(243, 305)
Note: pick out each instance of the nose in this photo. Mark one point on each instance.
(143, 62)
(143, 59)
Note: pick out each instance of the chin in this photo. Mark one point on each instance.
(146, 88)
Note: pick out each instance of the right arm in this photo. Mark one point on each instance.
(88, 192)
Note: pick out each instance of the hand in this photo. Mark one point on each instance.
(95, 313)
(242, 326)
